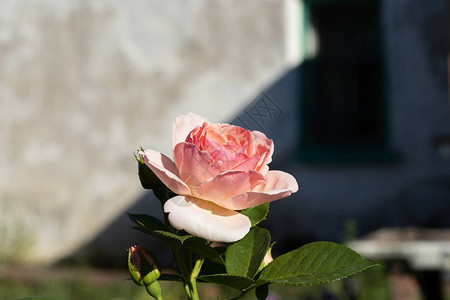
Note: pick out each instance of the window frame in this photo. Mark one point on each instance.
(331, 153)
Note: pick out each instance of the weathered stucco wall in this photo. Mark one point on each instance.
(84, 83)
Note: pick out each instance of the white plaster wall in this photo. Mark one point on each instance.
(83, 84)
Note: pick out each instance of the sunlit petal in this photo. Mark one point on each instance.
(278, 185)
(165, 169)
(206, 220)
(183, 126)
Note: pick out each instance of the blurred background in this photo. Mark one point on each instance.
(354, 94)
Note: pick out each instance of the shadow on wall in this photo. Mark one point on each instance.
(108, 248)
(273, 112)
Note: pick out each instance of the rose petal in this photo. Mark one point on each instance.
(278, 185)
(213, 148)
(197, 135)
(234, 133)
(214, 135)
(279, 180)
(266, 158)
(228, 185)
(248, 164)
(226, 161)
(256, 139)
(216, 145)
(194, 166)
(206, 220)
(183, 126)
(165, 169)
(233, 148)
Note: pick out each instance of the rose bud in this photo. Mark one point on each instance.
(267, 259)
(143, 268)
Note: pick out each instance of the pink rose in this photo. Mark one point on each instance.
(218, 169)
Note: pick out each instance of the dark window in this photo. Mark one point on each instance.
(343, 110)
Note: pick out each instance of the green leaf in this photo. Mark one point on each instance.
(210, 268)
(244, 257)
(256, 214)
(199, 246)
(146, 222)
(171, 239)
(193, 243)
(314, 263)
(234, 281)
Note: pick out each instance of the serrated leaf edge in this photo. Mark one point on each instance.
(181, 239)
(320, 281)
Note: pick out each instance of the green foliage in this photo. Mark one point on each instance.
(171, 239)
(311, 264)
(154, 227)
(256, 214)
(234, 281)
(146, 222)
(314, 263)
(200, 247)
(190, 242)
(244, 257)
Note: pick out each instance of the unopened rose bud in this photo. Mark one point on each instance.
(143, 268)
(267, 260)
